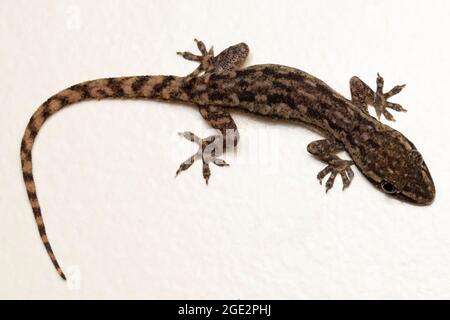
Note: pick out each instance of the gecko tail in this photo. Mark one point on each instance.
(140, 87)
(48, 247)
(50, 107)
(50, 251)
(31, 190)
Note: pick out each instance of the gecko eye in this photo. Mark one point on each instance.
(415, 157)
(388, 187)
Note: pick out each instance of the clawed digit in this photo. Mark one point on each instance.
(363, 95)
(209, 149)
(186, 164)
(394, 91)
(323, 173)
(191, 137)
(341, 167)
(381, 103)
(201, 46)
(220, 163)
(205, 59)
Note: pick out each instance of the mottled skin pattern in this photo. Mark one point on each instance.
(388, 159)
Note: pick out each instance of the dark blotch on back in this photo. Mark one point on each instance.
(217, 96)
(247, 96)
(219, 76)
(293, 76)
(314, 113)
(279, 98)
(243, 83)
(245, 72)
(282, 86)
(325, 91)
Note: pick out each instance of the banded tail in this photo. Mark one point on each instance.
(141, 87)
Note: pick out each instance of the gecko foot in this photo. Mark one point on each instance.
(205, 59)
(341, 167)
(381, 104)
(209, 149)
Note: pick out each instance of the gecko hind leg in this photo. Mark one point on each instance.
(362, 96)
(325, 150)
(206, 152)
(229, 59)
(212, 147)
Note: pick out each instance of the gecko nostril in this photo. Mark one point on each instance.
(415, 157)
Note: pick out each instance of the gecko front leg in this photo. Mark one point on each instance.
(326, 151)
(229, 59)
(362, 96)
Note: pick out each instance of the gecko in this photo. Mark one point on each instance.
(220, 84)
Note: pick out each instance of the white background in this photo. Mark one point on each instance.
(123, 227)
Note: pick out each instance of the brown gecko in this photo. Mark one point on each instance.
(387, 158)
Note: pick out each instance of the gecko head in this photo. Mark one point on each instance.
(401, 171)
(416, 184)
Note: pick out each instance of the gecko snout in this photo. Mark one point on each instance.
(420, 189)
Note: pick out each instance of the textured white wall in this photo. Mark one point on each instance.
(123, 227)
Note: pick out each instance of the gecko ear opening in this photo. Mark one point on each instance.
(388, 187)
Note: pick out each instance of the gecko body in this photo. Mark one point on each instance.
(387, 158)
